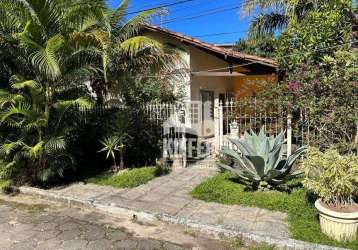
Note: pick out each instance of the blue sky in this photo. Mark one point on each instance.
(225, 19)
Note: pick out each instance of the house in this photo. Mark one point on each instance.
(217, 73)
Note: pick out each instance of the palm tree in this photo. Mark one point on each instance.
(275, 15)
(52, 48)
(45, 40)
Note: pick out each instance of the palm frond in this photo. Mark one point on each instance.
(46, 60)
(116, 17)
(55, 144)
(8, 146)
(32, 84)
(137, 44)
(134, 25)
(9, 98)
(25, 39)
(250, 6)
(33, 152)
(268, 23)
(22, 109)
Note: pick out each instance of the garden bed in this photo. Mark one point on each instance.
(299, 205)
(128, 178)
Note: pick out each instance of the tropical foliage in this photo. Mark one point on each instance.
(323, 31)
(37, 128)
(318, 62)
(330, 89)
(52, 53)
(262, 46)
(273, 16)
(259, 160)
(333, 177)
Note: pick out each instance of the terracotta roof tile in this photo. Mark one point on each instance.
(213, 48)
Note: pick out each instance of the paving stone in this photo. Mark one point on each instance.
(45, 226)
(102, 244)
(147, 244)
(68, 226)
(22, 235)
(46, 235)
(152, 197)
(49, 244)
(94, 233)
(116, 235)
(70, 234)
(18, 227)
(5, 244)
(70, 229)
(170, 246)
(74, 244)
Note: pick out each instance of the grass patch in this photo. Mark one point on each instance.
(128, 179)
(4, 183)
(239, 245)
(299, 205)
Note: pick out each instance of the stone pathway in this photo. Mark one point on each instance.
(169, 196)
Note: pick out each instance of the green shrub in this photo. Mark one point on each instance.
(333, 177)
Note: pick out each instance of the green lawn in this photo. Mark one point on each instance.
(302, 216)
(128, 179)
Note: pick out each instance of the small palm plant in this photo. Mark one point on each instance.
(259, 160)
(111, 145)
(37, 137)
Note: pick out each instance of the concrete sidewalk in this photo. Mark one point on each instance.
(167, 198)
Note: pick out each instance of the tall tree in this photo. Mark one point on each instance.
(270, 16)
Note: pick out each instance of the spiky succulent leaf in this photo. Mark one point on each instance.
(261, 158)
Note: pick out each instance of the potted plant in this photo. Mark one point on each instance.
(334, 178)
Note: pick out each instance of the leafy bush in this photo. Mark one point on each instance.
(333, 177)
(259, 161)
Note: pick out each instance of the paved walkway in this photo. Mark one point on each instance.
(169, 196)
(31, 227)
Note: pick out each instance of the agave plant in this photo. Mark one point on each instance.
(259, 160)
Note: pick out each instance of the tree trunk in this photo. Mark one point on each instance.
(121, 155)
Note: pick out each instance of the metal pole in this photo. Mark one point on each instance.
(289, 135)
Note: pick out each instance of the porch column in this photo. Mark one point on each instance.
(218, 129)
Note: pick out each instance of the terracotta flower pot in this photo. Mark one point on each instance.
(340, 226)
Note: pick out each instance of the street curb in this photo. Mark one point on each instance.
(219, 230)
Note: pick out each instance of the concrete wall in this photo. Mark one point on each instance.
(201, 61)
